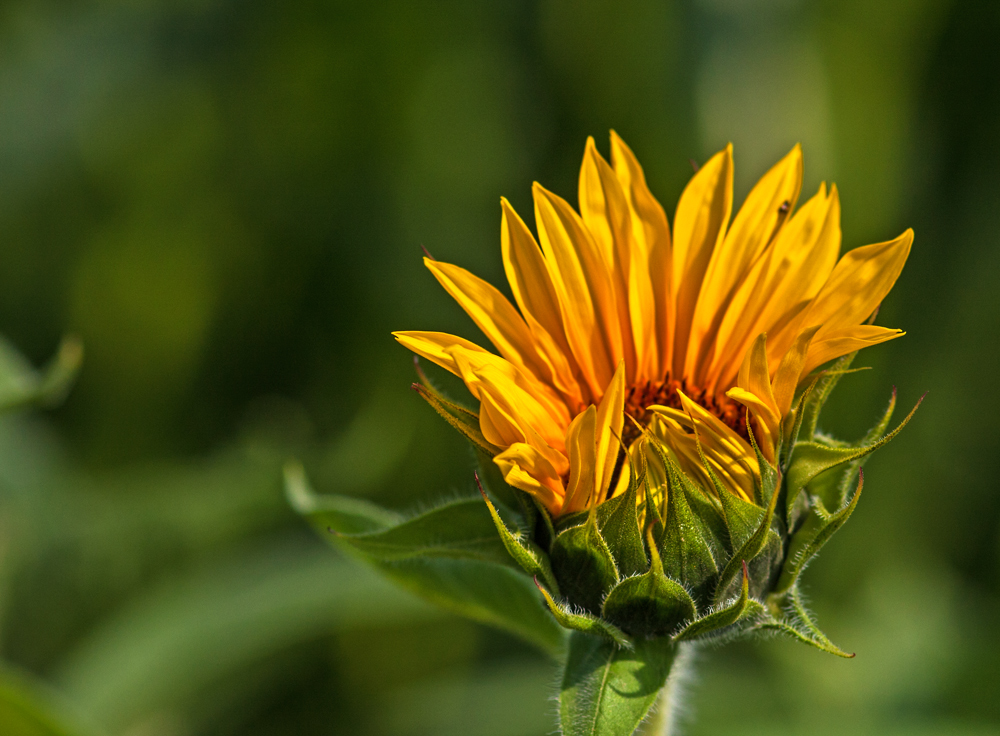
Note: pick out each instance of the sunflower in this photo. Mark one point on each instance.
(701, 334)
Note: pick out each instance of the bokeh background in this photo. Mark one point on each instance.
(226, 201)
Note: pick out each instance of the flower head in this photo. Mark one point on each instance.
(698, 338)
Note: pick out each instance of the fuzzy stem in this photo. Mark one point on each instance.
(664, 717)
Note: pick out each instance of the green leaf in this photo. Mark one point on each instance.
(464, 581)
(461, 528)
(619, 525)
(583, 564)
(607, 690)
(485, 592)
(816, 531)
(21, 384)
(526, 553)
(26, 710)
(583, 621)
(650, 604)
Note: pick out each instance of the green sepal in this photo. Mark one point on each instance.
(834, 485)
(809, 459)
(769, 475)
(747, 551)
(583, 564)
(687, 546)
(618, 522)
(742, 517)
(462, 419)
(816, 531)
(607, 690)
(584, 622)
(800, 626)
(526, 553)
(740, 609)
(650, 604)
(499, 595)
(820, 391)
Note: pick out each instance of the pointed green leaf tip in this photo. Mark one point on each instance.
(795, 621)
(608, 690)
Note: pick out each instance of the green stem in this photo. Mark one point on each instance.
(663, 719)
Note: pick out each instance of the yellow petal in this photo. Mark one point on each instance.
(582, 281)
(604, 211)
(807, 250)
(753, 390)
(504, 426)
(729, 457)
(754, 375)
(434, 346)
(791, 271)
(790, 371)
(858, 284)
(764, 211)
(650, 302)
(535, 295)
(506, 384)
(699, 226)
(494, 315)
(535, 403)
(845, 341)
(524, 467)
(581, 446)
(610, 420)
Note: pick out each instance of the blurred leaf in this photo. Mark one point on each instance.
(25, 710)
(508, 699)
(21, 384)
(187, 634)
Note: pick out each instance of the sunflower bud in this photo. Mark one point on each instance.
(647, 429)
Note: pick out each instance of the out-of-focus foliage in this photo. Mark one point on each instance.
(226, 202)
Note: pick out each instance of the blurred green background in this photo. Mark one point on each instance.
(226, 201)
